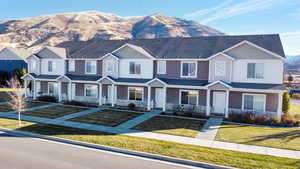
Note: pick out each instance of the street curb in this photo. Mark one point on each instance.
(119, 150)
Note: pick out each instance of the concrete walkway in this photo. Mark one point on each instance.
(210, 128)
(70, 116)
(172, 138)
(131, 123)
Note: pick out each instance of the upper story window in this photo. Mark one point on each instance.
(33, 65)
(135, 93)
(90, 67)
(188, 69)
(255, 70)
(220, 68)
(254, 102)
(71, 65)
(161, 67)
(50, 66)
(134, 68)
(90, 90)
(109, 66)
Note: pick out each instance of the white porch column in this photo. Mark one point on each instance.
(149, 98)
(69, 91)
(207, 102)
(25, 87)
(279, 108)
(34, 89)
(164, 98)
(59, 92)
(227, 104)
(113, 95)
(100, 94)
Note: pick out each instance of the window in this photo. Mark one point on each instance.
(161, 67)
(254, 102)
(188, 69)
(71, 65)
(90, 90)
(220, 68)
(189, 97)
(33, 65)
(50, 66)
(90, 67)
(135, 93)
(255, 70)
(134, 68)
(109, 66)
(52, 89)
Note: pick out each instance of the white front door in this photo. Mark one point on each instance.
(159, 97)
(219, 102)
(109, 94)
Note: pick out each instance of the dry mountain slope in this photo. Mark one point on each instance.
(51, 30)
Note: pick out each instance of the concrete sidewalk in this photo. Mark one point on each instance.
(171, 138)
(210, 128)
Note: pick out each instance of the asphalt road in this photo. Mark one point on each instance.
(33, 153)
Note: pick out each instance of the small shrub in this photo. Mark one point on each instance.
(296, 96)
(47, 99)
(286, 102)
(131, 106)
(75, 103)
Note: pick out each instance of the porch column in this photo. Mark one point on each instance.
(164, 98)
(227, 104)
(25, 87)
(100, 94)
(69, 91)
(59, 92)
(113, 95)
(34, 89)
(279, 107)
(149, 98)
(207, 102)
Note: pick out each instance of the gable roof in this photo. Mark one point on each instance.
(22, 53)
(173, 48)
(61, 52)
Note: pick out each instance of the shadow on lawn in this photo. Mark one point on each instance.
(287, 136)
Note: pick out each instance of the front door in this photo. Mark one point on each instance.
(159, 97)
(219, 102)
(109, 94)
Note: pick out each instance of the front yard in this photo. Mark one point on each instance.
(4, 96)
(54, 111)
(286, 138)
(8, 107)
(295, 109)
(172, 125)
(196, 153)
(107, 117)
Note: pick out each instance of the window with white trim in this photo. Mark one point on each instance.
(189, 97)
(220, 68)
(135, 93)
(90, 90)
(33, 65)
(188, 69)
(134, 68)
(90, 67)
(109, 66)
(71, 65)
(161, 67)
(255, 70)
(52, 89)
(254, 102)
(50, 66)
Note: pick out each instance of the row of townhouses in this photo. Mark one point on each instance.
(220, 74)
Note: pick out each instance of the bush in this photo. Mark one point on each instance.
(296, 96)
(286, 102)
(131, 106)
(75, 103)
(47, 99)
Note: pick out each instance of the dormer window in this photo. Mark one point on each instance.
(90, 67)
(134, 68)
(189, 69)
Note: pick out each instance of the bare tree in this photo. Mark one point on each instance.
(17, 96)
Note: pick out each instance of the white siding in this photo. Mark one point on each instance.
(30, 61)
(58, 69)
(228, 66)
(115, 71)
(273, 71)
(146, 68)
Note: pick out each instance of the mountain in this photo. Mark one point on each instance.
(51, 30)
(292, 65)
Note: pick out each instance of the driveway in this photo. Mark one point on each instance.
(33, 153)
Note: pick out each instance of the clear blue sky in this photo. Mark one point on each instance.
(228, 16)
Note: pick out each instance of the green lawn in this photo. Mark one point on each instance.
(287, 138)
(54, 111)
(8, 107)
(106, 117)
(196, 153)
(294, 109)
(172, 125)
